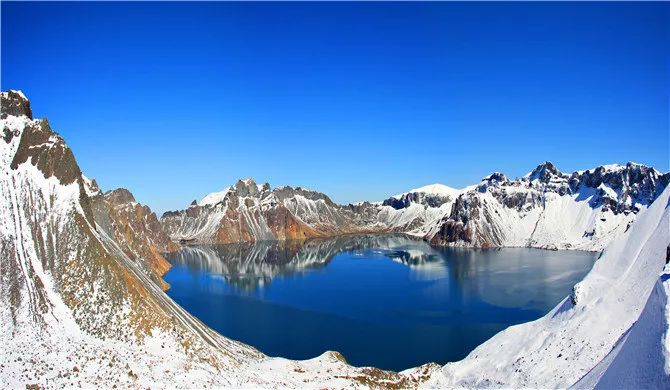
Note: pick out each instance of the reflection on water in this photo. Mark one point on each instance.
(382, 300)
(253, 265)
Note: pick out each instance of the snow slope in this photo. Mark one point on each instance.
(433, 189)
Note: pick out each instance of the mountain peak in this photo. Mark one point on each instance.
(248, 187)
(15, 103)
(436, 189)
(120, 196)
(496, 177)
(544, 172)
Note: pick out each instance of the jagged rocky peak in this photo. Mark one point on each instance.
(622, 188)
(46, 150)
(494, 179)
(248, 187)
(15, 103)
(619, 176)
(120, 196)
(33, 141)
(91, 187)
(286, 192)
(242, 188)
(545, 173)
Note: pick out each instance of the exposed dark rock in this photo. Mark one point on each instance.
(545, 172)
(13, 103)
(48, 152)
(405, 200)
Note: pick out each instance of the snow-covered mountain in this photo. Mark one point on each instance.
(80, 307)
(545, 209)
(251, 212)
(549, 209)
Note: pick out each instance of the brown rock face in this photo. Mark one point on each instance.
(286, 227)
(137, 231)
(13, 103)
(119, 196)
(48, 152)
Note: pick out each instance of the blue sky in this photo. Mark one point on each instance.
(358, 100)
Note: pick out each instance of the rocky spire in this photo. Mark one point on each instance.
(545, 172)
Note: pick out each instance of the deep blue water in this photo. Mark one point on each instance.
(385, 301)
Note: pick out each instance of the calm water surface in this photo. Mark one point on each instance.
(386, 301)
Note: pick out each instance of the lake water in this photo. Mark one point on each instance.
(381, 300)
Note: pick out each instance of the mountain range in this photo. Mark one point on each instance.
(546, 208)
(82, 302)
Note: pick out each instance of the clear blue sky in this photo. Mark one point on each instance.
(360, 101)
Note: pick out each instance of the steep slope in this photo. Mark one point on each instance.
(134, 227)
(77, 310)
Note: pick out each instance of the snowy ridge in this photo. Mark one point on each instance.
(433, 189)
(549, 209)
(213, 198)
(251, 212)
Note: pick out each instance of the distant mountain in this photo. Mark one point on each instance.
(545, 209)
(550, 209)
(251, 212)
